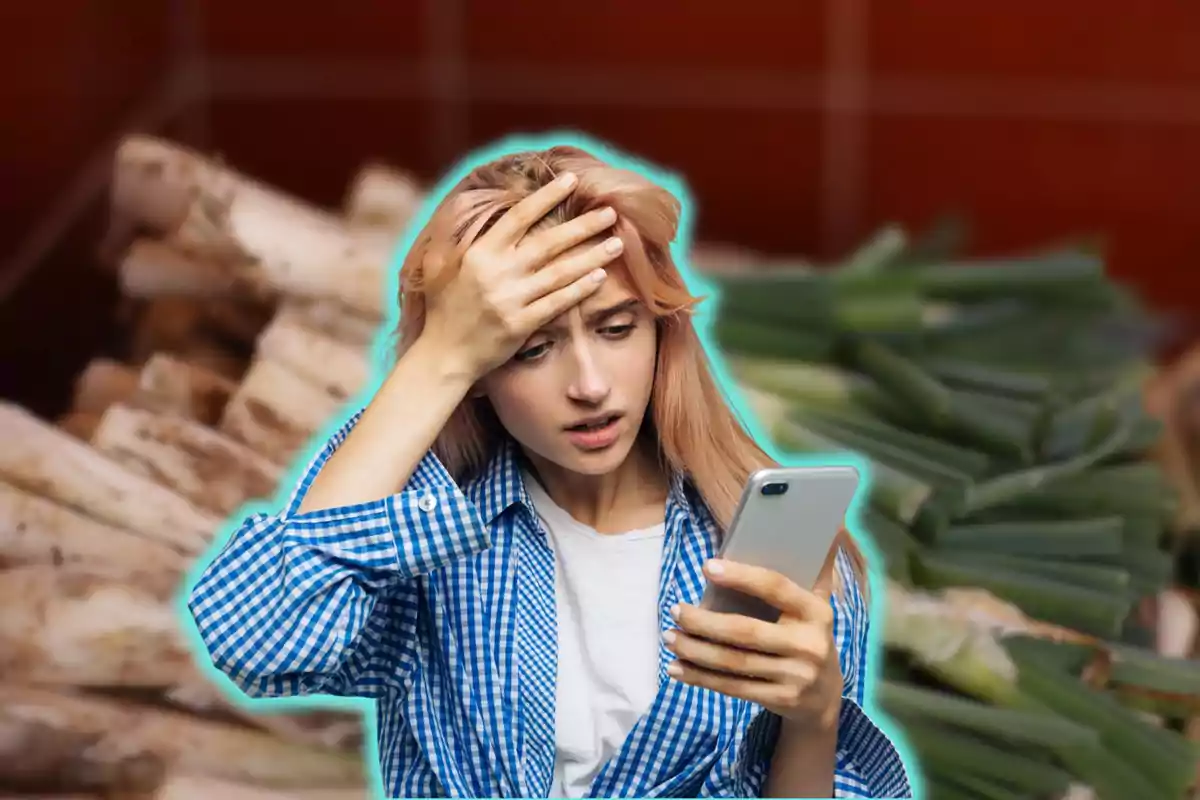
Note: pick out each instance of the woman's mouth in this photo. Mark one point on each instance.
(595, 433)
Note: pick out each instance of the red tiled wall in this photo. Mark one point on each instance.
(801, 126)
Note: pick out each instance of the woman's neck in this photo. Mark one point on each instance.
(630, 497)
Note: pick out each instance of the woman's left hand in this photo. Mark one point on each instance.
(790, 667)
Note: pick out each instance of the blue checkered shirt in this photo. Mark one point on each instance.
(437, 604)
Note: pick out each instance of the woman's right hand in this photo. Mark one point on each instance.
(510, 283)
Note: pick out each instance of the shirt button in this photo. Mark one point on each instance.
(427, 503)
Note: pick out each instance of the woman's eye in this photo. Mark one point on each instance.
(530, 353)
(616, 331)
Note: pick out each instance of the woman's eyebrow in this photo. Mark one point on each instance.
(601, 314)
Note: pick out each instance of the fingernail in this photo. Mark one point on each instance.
(715, 568)
(567, 179)
(598, 275)
(674, 670)
(614, 245)
(608, 215)
(669, 637)
(675, 612)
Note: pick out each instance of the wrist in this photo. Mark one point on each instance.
(450, 367)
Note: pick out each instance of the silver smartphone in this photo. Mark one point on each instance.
(787, 520)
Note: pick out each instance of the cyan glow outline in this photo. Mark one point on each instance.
(383, 361)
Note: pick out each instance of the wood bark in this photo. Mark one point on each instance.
(382, 198)
(86, 626)
(170, 384)
(259, 235)
(181, 741)
(276, 412)
(153, 268)
(193, 787)
(341, 369)
(334, 320)
(49, 462)
(38, 531)
(103, 382)
(40, 752)
(207, 467)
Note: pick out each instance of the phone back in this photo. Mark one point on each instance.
(789, 530)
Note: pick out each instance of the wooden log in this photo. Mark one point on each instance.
(332, 730)
(170, 384)
(194, 787)
(35, 530)
(382, 197)
(162, 268)
(341, 369)
(259, 234)
(276, 412)
(204, 465)
(181, 326)
(49, 462)
(80, 424)
(334, 320)
(41, 753)
(104, 381)
(89, 626)
(184, 742)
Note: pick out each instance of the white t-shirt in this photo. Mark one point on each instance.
(606, 589)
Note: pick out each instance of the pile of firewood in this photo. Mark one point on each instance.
(250, 317)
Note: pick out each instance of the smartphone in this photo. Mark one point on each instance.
(787, 520)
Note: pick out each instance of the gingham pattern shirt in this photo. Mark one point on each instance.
(437, 603)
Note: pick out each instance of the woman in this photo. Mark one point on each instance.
(505, 548)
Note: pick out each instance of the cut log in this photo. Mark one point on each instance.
(35, 530)
(262, 236)
(333, 319)
(87, 626)
(41, 752)
(383, 198)
(49, 462)
(204, 465)
(276, 412)
(332, 730)
(169, 384)
(80, 424)
(192, 787)
(341, 369)
(103, 382)
(160, 268)
(183, 742)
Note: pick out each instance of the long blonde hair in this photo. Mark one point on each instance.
(696, 431)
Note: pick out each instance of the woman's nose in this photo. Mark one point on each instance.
(588, 384)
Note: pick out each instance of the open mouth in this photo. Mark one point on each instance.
(595, 424)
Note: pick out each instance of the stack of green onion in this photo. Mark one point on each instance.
(999, 405)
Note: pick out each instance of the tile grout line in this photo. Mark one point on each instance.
(844, 125)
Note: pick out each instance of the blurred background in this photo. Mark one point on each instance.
(806, 131)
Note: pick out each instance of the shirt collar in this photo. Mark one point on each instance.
(500, 485)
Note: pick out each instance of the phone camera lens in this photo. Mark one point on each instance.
(774, 489)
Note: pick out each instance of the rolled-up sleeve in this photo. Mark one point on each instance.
(868, 764)
(291, 603)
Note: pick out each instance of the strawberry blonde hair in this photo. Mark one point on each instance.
(696, 432)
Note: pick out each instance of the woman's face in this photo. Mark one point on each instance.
(577, 390)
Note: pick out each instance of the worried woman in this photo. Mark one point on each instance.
(504, 550)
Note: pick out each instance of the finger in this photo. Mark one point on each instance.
(763, 693)
(557, 302)
(738, 662)
(738, 630)
(516, 222)
(771, 587)
(823, 588)
(566, 271)
(539, 248)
